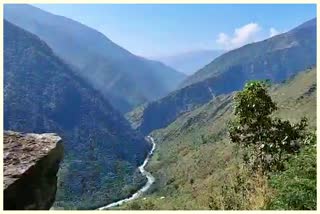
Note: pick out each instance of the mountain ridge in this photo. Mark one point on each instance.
(125, 79)
(262, 47)
(277, 66)
(42, 94)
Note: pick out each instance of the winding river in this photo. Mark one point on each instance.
(145, 173)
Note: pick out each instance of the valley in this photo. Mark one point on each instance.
(150, 180)
(226, 126)
(277, 59)
(194, 158)
(101, 151)
(105, 65)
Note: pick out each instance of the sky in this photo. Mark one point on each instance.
(169, 29)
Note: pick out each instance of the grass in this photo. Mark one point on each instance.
(196, 167)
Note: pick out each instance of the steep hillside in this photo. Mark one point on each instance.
(194, 158)
(277, 59)
(162, 112)
(125, 79)
(42, 94)
(190, 62)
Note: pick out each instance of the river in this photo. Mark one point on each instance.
(145, 173)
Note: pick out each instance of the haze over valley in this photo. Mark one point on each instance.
(188, 107)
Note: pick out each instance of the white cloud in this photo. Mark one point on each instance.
(246, 34)
(223, 39)
(273, 32)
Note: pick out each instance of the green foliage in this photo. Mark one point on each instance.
(296, 186)
(268, 140)
(42, 94)
(195, 154)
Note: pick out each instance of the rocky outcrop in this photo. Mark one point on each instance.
(31, 163)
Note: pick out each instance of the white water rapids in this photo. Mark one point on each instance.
(144, 173)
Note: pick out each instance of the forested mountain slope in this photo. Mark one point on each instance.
(42, 94)
(125, 79)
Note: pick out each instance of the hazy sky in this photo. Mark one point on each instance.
(167, 29)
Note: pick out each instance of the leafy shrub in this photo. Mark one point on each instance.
(296, 186)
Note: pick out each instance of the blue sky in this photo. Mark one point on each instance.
(168, 29)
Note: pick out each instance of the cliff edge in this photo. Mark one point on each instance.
(31, 163)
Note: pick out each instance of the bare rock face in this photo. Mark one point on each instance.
(31, 163)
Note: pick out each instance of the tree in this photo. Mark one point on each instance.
(268, 141)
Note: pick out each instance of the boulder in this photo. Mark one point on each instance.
(31, 163)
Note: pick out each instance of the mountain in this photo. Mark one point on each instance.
(276, 59)
(125, 79)
(190, 62)
(196, 166)
(42, 94)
